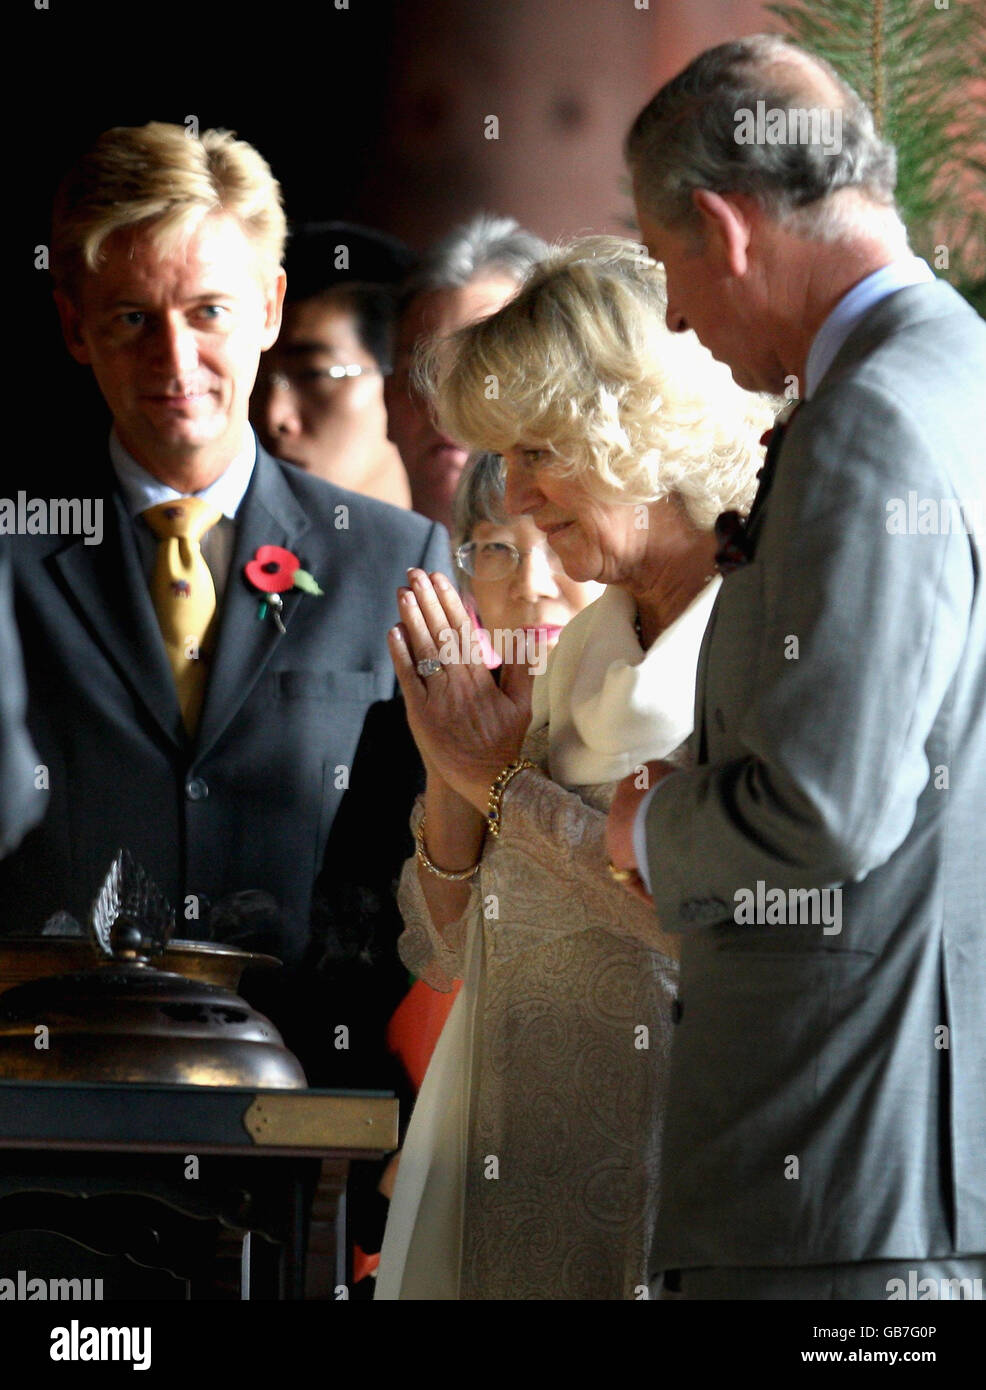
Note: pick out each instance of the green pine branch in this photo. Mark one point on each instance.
(921, 70)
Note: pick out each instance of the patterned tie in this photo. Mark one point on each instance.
(184, 595)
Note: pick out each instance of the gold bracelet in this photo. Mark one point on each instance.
(451, 876)
(497, 789)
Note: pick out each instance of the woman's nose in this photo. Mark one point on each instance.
(533, 579)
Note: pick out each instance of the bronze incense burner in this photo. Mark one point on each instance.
(98, 1009)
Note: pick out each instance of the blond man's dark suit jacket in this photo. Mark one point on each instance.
(828, 1091)
(250, 802)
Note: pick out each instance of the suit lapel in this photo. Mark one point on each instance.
(701, 743)
(108, 585)
(747, 543)
(270, 514)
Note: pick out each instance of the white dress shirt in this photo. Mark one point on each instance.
(142, 490)
(851, 308)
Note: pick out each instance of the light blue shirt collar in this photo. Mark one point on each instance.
(906, 270)
(142, 490)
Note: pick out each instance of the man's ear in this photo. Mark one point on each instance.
(71, 320)
(726, 225)
(273, 308)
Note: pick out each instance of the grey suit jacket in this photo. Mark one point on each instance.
(828, 1087)
(249, 803)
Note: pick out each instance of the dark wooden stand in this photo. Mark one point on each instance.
(183, 1192)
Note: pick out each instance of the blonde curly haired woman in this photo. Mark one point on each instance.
(531, 1166)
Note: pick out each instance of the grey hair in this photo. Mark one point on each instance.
(685, 139)
(478, 498)
(486, 245)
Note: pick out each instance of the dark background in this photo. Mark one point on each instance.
(375, 113)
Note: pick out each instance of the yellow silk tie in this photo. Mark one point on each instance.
(184, 595)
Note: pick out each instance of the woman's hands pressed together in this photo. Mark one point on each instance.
(466, 727)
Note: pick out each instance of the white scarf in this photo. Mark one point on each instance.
(611, 706)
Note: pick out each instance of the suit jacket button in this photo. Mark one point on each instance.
(677, 1010)
(196, 789)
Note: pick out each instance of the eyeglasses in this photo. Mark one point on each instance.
(319, 381)
(492, 560)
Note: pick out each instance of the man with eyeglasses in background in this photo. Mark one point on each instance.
(318, 401)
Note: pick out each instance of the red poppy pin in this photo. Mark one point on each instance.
(273, 570)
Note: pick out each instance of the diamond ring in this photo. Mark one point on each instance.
(428, 666)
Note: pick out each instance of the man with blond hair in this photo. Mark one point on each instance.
(827, 1108)
(198, 682)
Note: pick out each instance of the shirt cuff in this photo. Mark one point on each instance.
(640, 838)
